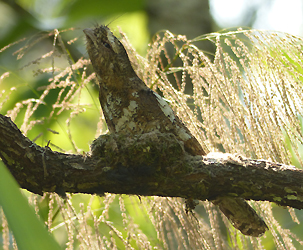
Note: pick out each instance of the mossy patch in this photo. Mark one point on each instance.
(147, 153)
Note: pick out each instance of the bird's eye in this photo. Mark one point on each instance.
(106, 45)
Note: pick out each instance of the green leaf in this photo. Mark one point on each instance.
(29, 231)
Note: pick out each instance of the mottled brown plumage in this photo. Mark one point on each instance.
(129, 106)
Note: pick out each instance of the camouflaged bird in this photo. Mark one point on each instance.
(128, 105)
(131, 108)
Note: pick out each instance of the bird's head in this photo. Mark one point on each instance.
(107, 53)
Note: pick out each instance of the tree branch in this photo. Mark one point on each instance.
(151, 164)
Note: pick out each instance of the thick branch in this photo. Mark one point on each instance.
(151, 164)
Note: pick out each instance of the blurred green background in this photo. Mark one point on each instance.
(138, 19)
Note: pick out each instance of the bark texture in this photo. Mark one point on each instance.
(149, 164)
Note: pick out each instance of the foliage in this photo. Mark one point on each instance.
(246, 101)
(29, 231)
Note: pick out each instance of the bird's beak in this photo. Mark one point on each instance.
(90, 34)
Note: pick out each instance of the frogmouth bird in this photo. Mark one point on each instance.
(132, 108)
(128, 105)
